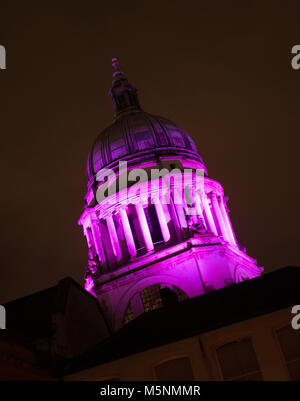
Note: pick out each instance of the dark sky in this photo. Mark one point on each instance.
(221, 70)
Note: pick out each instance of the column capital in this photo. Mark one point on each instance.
(155, 199)
(120, 208)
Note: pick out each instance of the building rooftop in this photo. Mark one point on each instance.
(31, 319)
(232, 304)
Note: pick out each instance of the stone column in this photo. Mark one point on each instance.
(114, 238)
(219, 216)
(226, 219)
(128, 233)
(162, 219)
(199, 210)
(210, 220)
(144, 226)
(178, 205)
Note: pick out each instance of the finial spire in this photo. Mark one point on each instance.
(117, 74)
(123, 94)
(115, 63)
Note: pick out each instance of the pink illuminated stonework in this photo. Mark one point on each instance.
(149, 233)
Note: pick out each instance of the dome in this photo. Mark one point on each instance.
(135, 133)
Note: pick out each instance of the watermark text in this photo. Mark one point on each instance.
(2, 58)
(296, 319)
(296, 59)
(2, 318)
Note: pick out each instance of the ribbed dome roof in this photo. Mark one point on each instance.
(135, 132)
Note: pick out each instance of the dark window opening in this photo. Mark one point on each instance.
(289, 340)
(129, 314)
(138, 245)
(151, 298)
(238, 361)
(176, 370)
(153, 224)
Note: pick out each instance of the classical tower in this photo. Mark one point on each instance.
(157, 227)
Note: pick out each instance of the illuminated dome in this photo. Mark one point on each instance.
(138, 133)
(135, 132)
(153, 239)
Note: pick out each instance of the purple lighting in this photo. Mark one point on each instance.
(171, 230)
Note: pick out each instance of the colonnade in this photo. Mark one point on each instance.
(210, 209)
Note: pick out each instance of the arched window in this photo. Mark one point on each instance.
(238, 361)
(181, 296)
(150, 299)
(179, 369)
(128, 314)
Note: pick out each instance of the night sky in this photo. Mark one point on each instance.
(220, 70)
